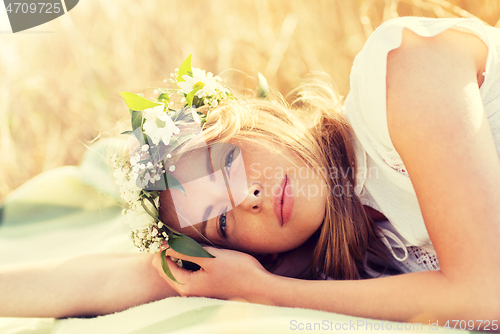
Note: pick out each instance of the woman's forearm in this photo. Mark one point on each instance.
(419, 297)
(81, 286)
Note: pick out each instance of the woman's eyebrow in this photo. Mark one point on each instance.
(210, 168)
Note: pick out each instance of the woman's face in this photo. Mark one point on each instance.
(247, 197)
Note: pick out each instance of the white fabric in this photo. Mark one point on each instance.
(386, 184)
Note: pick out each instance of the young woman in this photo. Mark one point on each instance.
(405, 174)
(425, 108)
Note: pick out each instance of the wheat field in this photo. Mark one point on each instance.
(60, 81)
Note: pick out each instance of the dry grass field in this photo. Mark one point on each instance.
(60, 81)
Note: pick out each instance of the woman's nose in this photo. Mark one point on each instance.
(254, 199)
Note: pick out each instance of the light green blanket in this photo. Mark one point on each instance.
(76, 210)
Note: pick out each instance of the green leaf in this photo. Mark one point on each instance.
(164, 97)
(136, 120)
(174, 233)
(127, 132)
(145, 207)
(153, 194)
(136, 102)
(263, 87)
(187, 246)
(165, 267)
(197, 102)
(173, 183)
(185, 69)
(197, 86)
(149, 194)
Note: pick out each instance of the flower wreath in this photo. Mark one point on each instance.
(144, 172)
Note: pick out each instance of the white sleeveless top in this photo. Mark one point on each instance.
(382, 180)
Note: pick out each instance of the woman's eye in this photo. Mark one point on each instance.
(229, 161)
(222, 225)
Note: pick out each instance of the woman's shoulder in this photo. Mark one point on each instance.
(450, 46)
(393, 43)
(438, 68)
(371, 62)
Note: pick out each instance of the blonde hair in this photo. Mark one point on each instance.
(313, 128)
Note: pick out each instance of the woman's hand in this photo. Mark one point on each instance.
(230, 275)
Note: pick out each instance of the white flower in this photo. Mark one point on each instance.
(159, 126)
(120, 175)
(139, 219)
(210, 83)
(154, 247)
(135, 159)
(171, 168)
(129, 191)
(195, 115)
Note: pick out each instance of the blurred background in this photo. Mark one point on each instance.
(60, 81)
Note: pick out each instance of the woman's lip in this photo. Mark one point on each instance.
(287, 206)
(278, 201)
(283, 202)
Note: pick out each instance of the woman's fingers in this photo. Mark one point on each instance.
(245, 270)
(181, 275)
